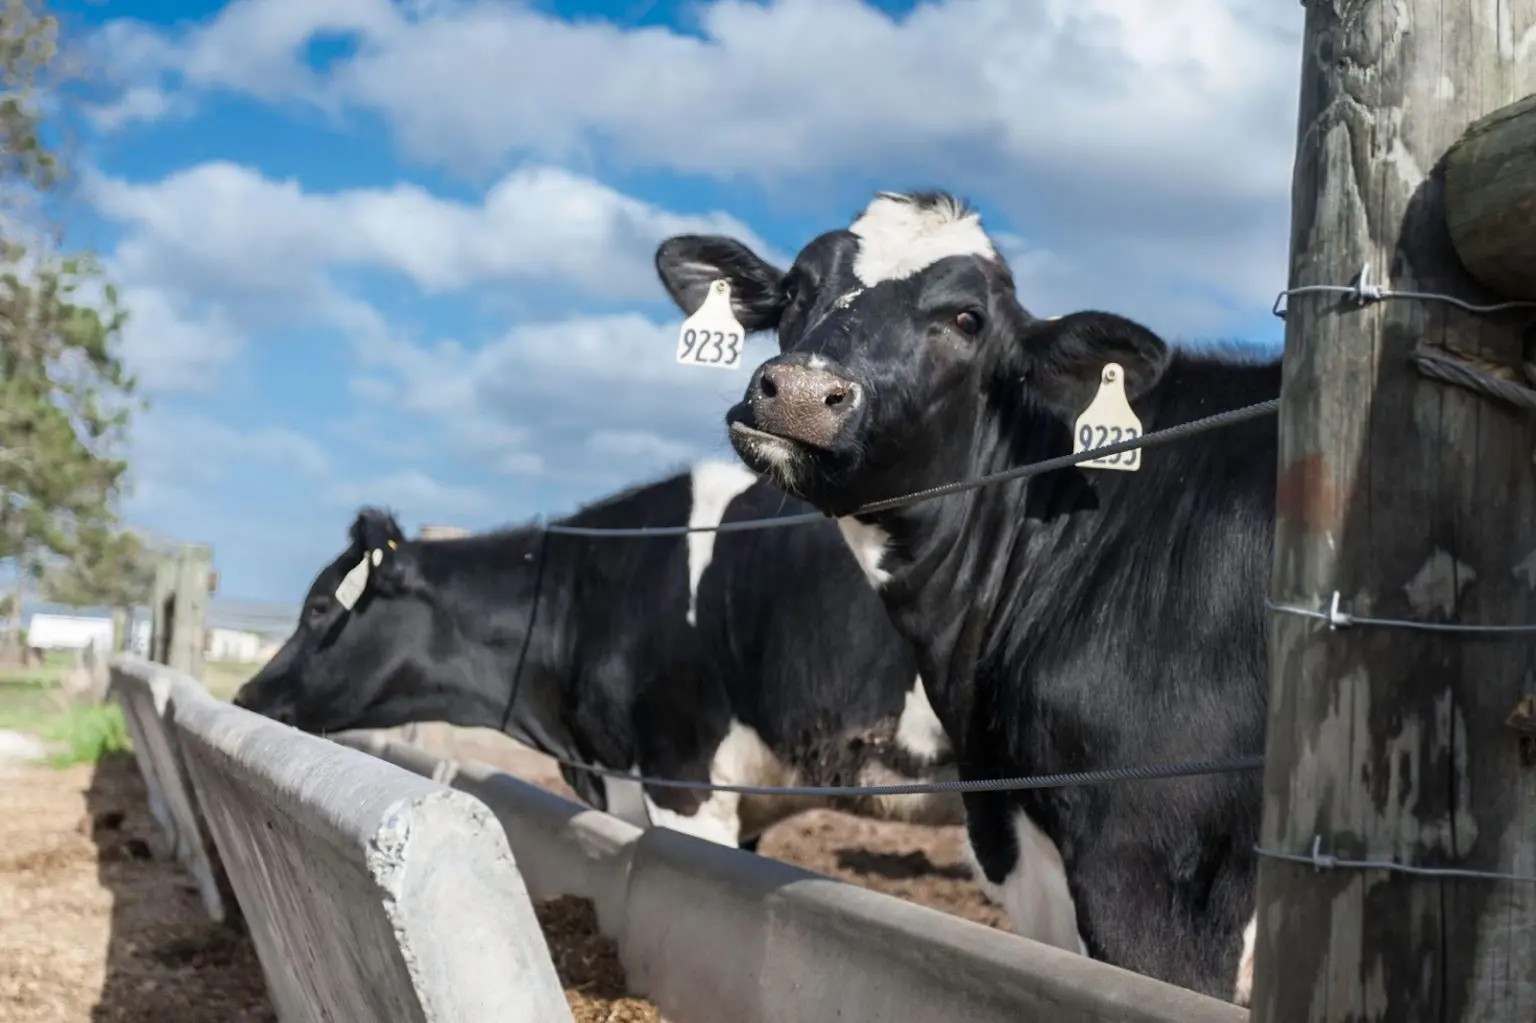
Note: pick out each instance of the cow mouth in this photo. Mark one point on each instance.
(759, 447)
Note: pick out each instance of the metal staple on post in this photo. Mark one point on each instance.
(1436, 365)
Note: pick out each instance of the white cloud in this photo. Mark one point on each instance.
(639, 444)
(1154, 135)
(170, 348)
(574, 399)
(412, 491)
(218, 244)
(221, 226)
(793, 85)
(176, 447)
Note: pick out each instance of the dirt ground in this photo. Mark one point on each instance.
(93, 927)
(921, 864)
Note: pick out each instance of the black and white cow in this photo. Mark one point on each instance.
(747, 658)
(1086, 618)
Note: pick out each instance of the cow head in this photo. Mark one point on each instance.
(349, 662)
(901, 343)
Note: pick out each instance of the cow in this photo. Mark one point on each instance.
(1084, 618)
(747, 658)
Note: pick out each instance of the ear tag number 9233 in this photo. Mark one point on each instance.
(711, 336)
(1108, 419)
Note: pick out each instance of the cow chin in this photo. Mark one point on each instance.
(781, 460)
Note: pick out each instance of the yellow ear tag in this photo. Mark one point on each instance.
(712, 336)
(1108, 419)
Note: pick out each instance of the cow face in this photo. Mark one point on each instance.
(352, 667)
(899, 339)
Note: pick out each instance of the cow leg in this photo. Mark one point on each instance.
(1035, 891)
(1141, 920)
(1023, 873)
(1242, 991)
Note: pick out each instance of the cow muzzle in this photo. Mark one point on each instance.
(802, 402)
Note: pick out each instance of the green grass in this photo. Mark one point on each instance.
(79, 732)
(43, 675)
(87, 733)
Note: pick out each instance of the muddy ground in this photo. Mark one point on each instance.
(94, 928)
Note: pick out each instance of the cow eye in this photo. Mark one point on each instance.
(969, 323)
(319, 608)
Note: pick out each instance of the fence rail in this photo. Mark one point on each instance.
(370, 893)
(379, 882)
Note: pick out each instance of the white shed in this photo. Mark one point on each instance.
(232, 645)
(68, 632)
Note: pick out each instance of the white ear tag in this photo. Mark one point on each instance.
(1108, 419)
(352, 584)
(711, 336)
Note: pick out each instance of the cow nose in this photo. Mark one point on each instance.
(802, 403)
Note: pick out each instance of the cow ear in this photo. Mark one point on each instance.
(374, 528)
(377, 541)
(1064, 358)
(689, 263)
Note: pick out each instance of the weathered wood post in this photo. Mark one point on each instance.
(179, 606)
(1412, 499)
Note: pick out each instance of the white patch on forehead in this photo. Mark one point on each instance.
(898, 237)
(716, 483)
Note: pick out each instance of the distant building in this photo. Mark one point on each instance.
(232, 645)
(68, 632)
(440, 532)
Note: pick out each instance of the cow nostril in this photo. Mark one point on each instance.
(768, 388)
(836, 397)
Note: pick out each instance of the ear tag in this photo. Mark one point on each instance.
(712, 336)
(378, 556)
(1108, 419)
(352, 584)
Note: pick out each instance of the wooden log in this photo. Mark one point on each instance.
(1416, 501)
(1490, 199)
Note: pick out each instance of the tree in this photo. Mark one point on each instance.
(29, 51)
(109, 567)
(65, 397)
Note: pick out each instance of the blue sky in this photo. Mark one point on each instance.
(400, 253)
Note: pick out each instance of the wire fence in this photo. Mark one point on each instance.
(1443, 367)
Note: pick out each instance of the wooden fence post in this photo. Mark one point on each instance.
(1411, 499)
(179, 608)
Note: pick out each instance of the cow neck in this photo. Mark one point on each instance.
(952, 559)
(511, 607)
